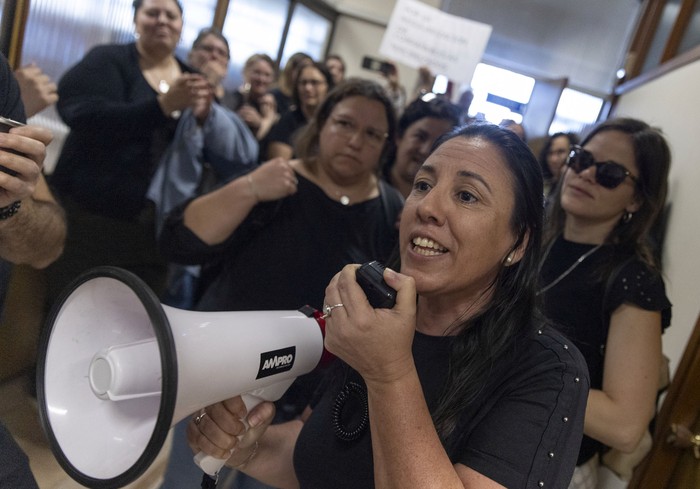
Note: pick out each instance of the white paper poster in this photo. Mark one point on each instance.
(420, 35)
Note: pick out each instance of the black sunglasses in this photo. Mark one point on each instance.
(607, 173)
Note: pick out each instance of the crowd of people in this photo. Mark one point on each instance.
(526, 337)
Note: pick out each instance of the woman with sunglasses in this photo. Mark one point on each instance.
(600, 283)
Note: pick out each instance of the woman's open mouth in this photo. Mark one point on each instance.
(427, 247)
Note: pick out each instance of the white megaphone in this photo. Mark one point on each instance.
(116, 370)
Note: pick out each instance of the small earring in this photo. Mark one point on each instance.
(627, 217)
(136, 35)
(509, 259)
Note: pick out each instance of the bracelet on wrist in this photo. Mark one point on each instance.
(10, 210)
(250, 457)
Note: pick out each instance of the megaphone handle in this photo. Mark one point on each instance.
(211, 465)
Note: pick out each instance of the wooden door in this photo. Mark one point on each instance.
(672, 462)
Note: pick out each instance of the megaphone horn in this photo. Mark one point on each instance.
(116, 370)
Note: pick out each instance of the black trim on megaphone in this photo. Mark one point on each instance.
(168, 361)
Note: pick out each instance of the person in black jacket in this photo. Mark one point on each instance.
(121, 102)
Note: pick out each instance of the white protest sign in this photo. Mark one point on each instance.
(420, 35)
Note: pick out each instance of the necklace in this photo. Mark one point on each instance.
(344, 198)
(578, 261)
(163, 86)
(160, 77)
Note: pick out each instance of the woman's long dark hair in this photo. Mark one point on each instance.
(653, 158)
(510, 315)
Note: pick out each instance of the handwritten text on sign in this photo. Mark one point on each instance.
(420, 35)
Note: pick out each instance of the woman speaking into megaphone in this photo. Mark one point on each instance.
(461, 383)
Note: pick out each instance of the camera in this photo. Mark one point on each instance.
(379, 294)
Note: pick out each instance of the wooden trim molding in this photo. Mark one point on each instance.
(679, 406)
(14, 18)
(652, 11)
(661, 70)
(220, 14)
(678, 31)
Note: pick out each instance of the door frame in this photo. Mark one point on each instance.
(681, 406)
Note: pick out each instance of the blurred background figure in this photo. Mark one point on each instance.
(312, 84)
(424, 82)
(211, 146)
(336, 66)
(284, 91)
(252, 101)
(464, 102)
(210, 54)
(122, 103)
(516, 127)
(37, 90)
(553, 158)
(393, 87)
(420, 125)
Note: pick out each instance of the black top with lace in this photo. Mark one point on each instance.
(576, 303)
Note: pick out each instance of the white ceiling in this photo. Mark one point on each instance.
(583, 40)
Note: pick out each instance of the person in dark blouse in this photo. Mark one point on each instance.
(460, 384)
(312, 84)
(600, 282)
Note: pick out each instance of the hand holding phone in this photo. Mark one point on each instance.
(5, 126)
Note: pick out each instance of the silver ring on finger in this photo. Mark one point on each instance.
(198, 419)
(327, 310)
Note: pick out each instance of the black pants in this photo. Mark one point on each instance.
(94, 240)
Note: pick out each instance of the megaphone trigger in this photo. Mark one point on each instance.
(212, 465)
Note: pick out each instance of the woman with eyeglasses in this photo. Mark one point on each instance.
(312, 84)
(292, 224)
(600, 282)
(273, 238)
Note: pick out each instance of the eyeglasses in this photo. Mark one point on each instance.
(607, 173)
(348, 128)
(213, 50)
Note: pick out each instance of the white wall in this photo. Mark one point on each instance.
(672, 103)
